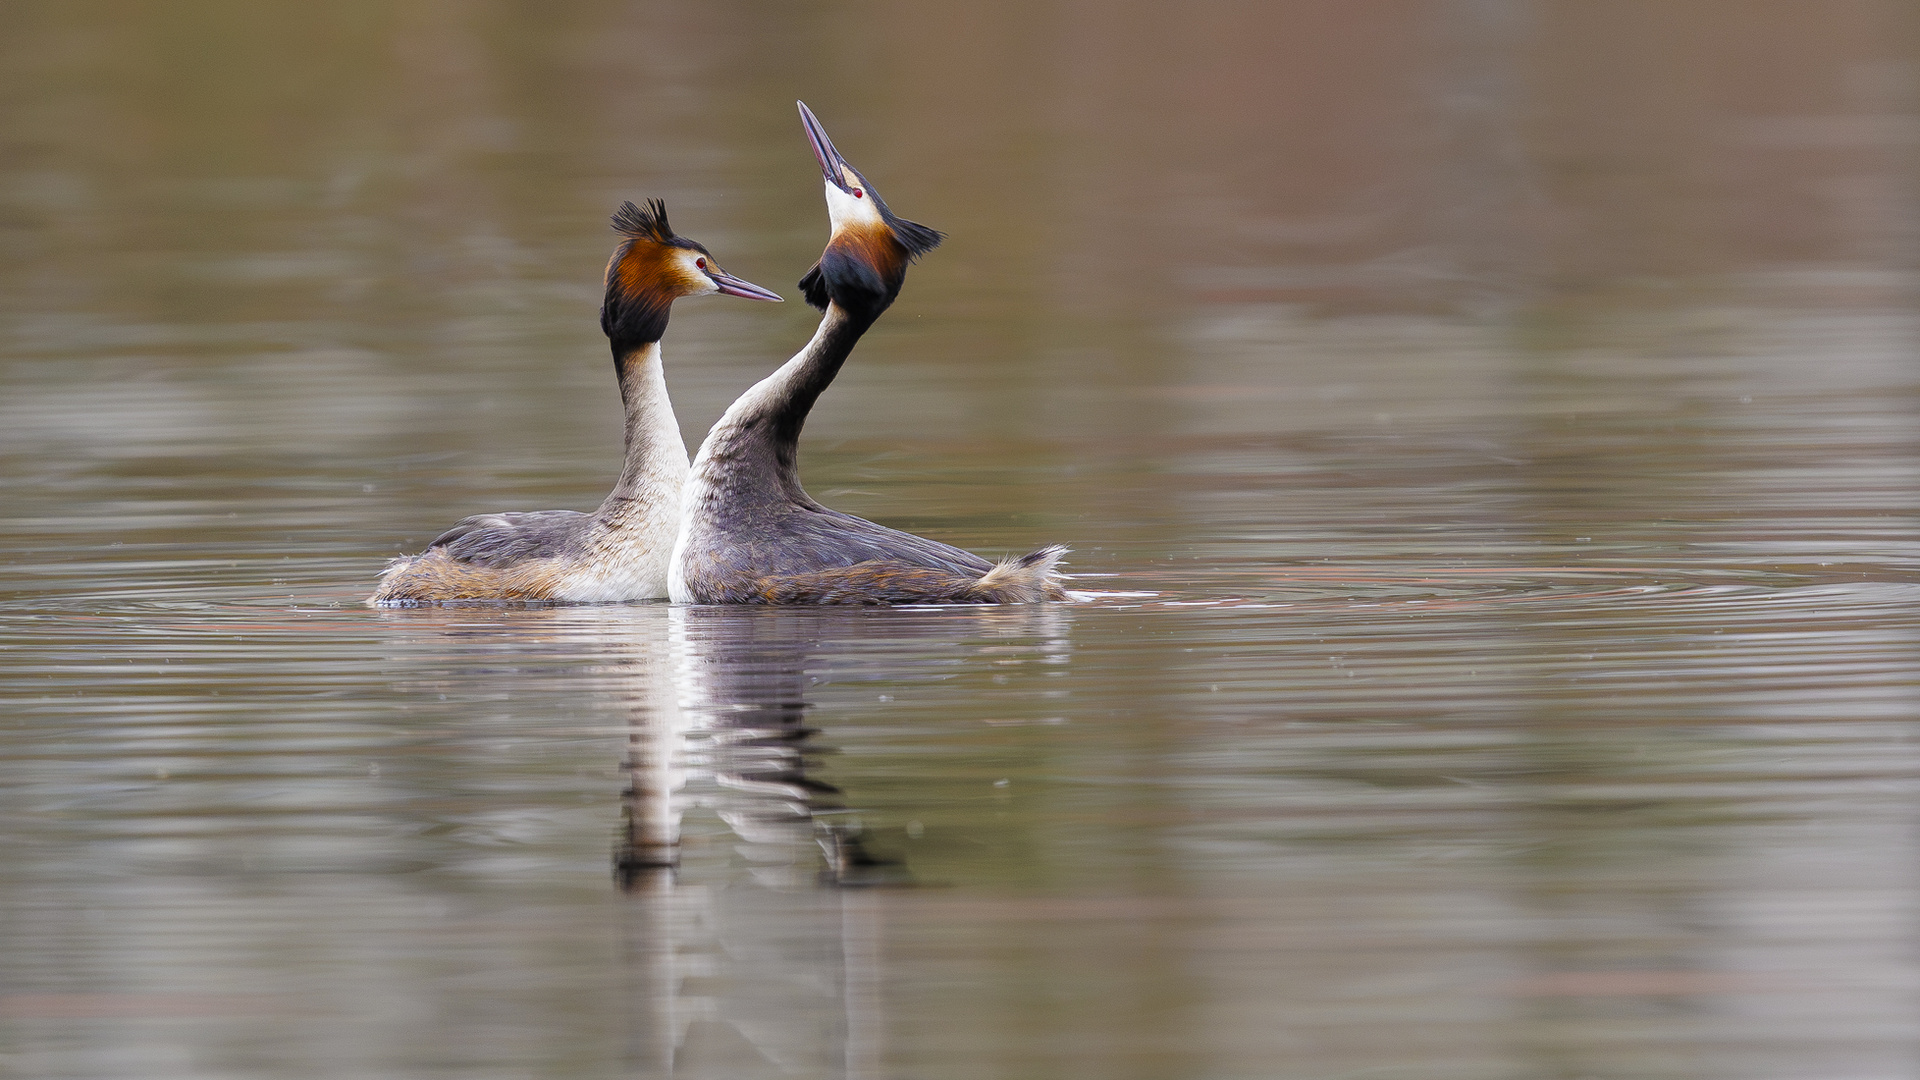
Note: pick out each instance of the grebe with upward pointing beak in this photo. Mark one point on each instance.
(620, 551)
(749, 534)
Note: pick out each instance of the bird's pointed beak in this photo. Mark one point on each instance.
(741, 287)
(832, 165)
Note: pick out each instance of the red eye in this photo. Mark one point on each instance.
(857, 193)
(701, 263)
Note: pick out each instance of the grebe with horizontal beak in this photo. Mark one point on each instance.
(620, 551)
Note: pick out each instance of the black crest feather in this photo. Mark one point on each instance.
(814, 287)
(648, 223)
(633, 319)
(915, 237)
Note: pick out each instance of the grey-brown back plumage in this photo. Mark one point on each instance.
(497, 541)
(1027, 579)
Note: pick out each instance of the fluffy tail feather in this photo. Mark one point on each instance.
(1028, 579)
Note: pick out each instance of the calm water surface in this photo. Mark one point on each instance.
(1505, 660)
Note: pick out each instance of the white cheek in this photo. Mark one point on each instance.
(702, 285)
(843, 209)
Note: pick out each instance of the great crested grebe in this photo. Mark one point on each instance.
(620, 551)
(749, 534)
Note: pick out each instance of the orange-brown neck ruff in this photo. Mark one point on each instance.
(861, 270)
(643, 280)
(876, 246)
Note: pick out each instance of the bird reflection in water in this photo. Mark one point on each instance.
(732, 737)
(749, 967)
(753, 926)
(746, 968)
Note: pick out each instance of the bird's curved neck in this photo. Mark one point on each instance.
(753, 449)
(656, 456)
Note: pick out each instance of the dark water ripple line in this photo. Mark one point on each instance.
(1734, 646)
(1333, 585)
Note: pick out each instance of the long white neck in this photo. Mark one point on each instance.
(656, 454)
(753, 450)
(631, 535)
(774, 408)
(746, 467)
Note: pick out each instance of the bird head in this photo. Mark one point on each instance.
(866, 258)
(651, 269)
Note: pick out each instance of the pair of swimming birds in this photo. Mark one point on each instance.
(735, 526)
